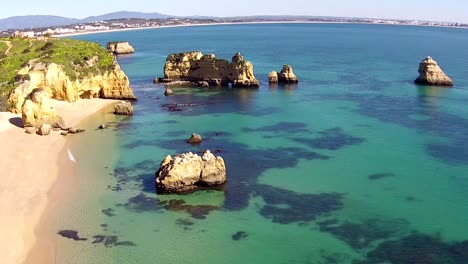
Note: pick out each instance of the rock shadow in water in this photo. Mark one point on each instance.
(196, 211)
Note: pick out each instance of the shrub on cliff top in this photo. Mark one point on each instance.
(70, 54)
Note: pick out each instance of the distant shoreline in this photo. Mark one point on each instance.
(241, 23)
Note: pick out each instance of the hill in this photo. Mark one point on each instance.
(125, 14)
(20, 22)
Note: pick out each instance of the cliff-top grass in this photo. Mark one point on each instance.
(72, 55)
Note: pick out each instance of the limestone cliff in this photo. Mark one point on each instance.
(196, 67)
(38, 109)
(431, 73)
(57, 84)
(120, 47)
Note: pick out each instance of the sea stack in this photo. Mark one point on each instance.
(207, 70)
(430, 73)
(187, 172)
(286, 76)
(120, 47)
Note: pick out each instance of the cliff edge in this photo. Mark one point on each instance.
(64, 69)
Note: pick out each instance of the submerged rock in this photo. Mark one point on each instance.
(120, 47)
(123, 108)
(285, 76)
(431, 73)
(168, 92)
(194, 139)
(207, 70)
(188, 172)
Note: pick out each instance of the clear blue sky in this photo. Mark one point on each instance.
(446, 10)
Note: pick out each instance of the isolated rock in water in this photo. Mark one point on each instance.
(168, 92)
(195, 139)
(123, 108)
(430, 73)
(195, 67)
(44, 130)
(286, 76)
(103, 126)
(187, 172)
(120, 47)
(39, 109)
(273, 77)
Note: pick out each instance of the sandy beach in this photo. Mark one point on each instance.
(30, 166)
(239, 23)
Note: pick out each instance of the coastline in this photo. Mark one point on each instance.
(31, 166)
(238, 23)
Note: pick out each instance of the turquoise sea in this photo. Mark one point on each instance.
(356, 164)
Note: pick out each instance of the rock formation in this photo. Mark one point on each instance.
(202, 69)
(430, 73)
(285, 76)
(187, 172)
(123, 108)
(38, 109)
(57, 84)
(120, 47)
(273, 77)
(194, 139)
(44, 130)
(168, 92)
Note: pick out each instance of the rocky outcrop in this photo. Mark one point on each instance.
(431, 73)
(205, 70)
(38, 109)
(57, 84)
(44, 130)
(120, 47)
(195, 139)
(188, 172)
(285, 76)
(123, 108)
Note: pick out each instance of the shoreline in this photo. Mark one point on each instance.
(31, 168)
(240, 23)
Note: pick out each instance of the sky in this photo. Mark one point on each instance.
(447, 10)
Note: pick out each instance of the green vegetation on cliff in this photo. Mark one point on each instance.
(79, 59)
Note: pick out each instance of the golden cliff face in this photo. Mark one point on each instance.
(52, 79)
(196, 67)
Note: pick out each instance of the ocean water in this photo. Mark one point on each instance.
(356, 164)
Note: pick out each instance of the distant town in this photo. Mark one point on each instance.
(138, 23)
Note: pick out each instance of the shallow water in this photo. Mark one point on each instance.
(356, 164)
